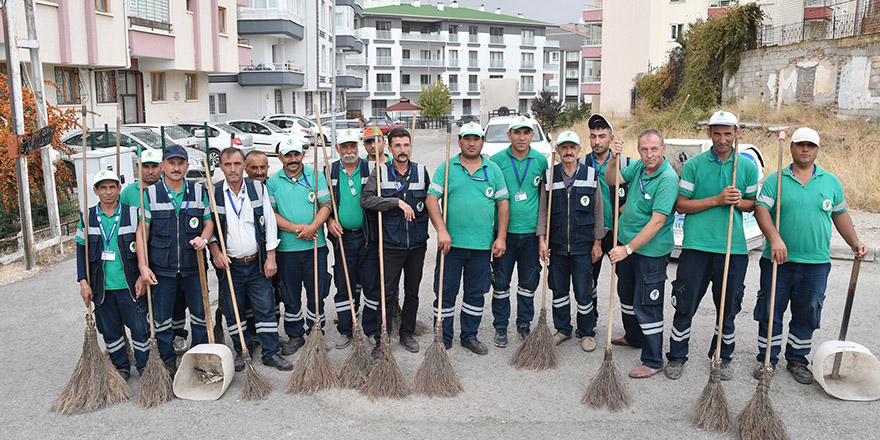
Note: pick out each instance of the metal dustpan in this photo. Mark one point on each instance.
(204, 373)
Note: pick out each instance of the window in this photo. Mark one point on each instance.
(573, 56)
(217, 103)
(425, 80)
(496, 59)
(221, 19)
(496, 76)
(157, 85)
(527, 83)
(523, 106)
(105, 86)
(189, 84)
(425, 54)
(528, 37)
(404, 79)
(102, 6)
(405, 54)
(293, 103)
(383, 82)
(383, 29)
(473, 61)
(453, 79)
(592, 71)
(465, 106)
(527, 60)
(472, 34)
(67, 79)
(383, 56)
(675, 31)
(189, 6)
(496, 35)
(310, 103)
(377, 105)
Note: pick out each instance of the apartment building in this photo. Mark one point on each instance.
(562, 64)
(408, 46)
(285, 58)
(144, 60)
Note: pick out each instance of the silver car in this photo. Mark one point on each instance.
(220, 137)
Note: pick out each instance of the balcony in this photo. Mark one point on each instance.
(593, 41)
(357, 5)
(553, 89)
(473, 38)
(527, 88)
(412, 87)
(418, 62)
(473, 63)
(453, 87)
(473, 87)
(270, 21)
(452, 62)
(591, 78)
(349, 79)
(527, 64)
(349, 43)
(420, 36)
(271, 74)
(384, 61)
(359, 61)
(496, 64)
(552, 67)
(383, 35)
(383, 87)
(496, 39)
(528, 41)
(592, 11)
(548, 43)
(452, 38)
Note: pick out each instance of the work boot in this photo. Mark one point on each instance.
(342, 341)
(726, 371)
(376, 351)
(475, 346)
(800, 372)
(560, 337)
(588, 343)
(501, 337)
(292, 345)
(179, 344)
(447, 344)
(409, 343)
(124, 373)
(523, 331)
(278, 363)
(756, 373)
(172, 368)
(673, 369)
(238, 362)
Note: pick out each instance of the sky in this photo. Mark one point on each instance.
(552, 11)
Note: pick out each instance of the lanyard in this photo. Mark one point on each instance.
(300, 182)
(516, 171)
(405, 177)
(717, 159)
(350, 178)
(235, 209)
(642, 184)
(573, 177)
(173, 200)
(485, 174)
(601, 168)
(108, 237)
(791, 170)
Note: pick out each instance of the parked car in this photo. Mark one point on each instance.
(268, 138)
(383, 124)
(466, 119)
(172, 132)
(293, 123)
(495, 136)
(343, 124)
(219, 136)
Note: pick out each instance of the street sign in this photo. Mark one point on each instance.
(24, 145)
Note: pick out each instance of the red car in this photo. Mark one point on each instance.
(384, 125)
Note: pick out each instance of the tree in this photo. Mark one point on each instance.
(547, 108)
(435, 100)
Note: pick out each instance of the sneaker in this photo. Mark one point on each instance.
(342, 341)
(673, 369)
(726, 371)
(501, 337)
(523, 331)
(588, 343)
(560, 337)
(292, 345)
(238, 362)
(800, 372)
(475, 346)
(278, 363)
(124, 373)
(410, 344)
(644, 372)
(447, 344)
(759, 369)
(179, 344)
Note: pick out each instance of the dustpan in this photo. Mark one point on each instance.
(204, 373)
(858, 377)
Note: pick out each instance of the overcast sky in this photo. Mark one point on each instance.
(552, 11)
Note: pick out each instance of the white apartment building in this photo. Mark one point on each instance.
(144, 60)
(563, 73)
(285, 53)
(411, 45)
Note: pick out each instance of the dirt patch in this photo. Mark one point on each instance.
(13, 272)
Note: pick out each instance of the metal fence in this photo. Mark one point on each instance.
(823, 20)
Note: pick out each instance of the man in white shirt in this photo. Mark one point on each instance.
(248, 221)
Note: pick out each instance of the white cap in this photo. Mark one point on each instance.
(347, 135)
(520, 122)
(805, 134)
(568, 136)
(104, 175)
(290, 145)
(722, 117)
(471, 128)
(150, 155)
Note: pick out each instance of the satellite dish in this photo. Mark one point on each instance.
(503, 111)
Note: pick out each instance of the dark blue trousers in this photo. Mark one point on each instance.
(165, 293)
(474, 265)
(522, 251)
(575, 271)
(117, 310)
(696, 269)
(641, 286)
(249, 282)
(802, 286)
(297, 271)
(363, 274)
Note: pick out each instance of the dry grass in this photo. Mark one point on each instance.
(848, 149)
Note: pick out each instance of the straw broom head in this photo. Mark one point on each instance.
(713, 411)
(436, 377)
(607, 388)
(155, 386)
(313, 370)
(386, 379)
(357, 366)
(759, 420)
(537, 352)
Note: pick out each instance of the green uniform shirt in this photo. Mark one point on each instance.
(604, 187)
(351, 215)
(805, 223)
(177, 199)
(523, 190)
(130, 196)
(373, 156)
(114, 277)
(471, 219)
(704, 176)
(647, 195)
(290, 199)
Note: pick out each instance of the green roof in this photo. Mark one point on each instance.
(449, 13)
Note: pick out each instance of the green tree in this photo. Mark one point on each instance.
(435, 100)
(547, 108)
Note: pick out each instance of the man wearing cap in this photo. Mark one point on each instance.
(251, 236)
(404, 230)
(705, 195)
(812, 199)
(522, 168)
(293, 192)
(645, 230)
(112, 273)
(478, 198)
(178, 216)
(601, 137)
(575, 238)
(371, 143)
(348, 175)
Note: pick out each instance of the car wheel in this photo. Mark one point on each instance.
(213, 157)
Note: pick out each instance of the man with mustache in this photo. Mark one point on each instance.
(251, 236)
(575, 239)
(405, 229)
(348, 175)
(292, 193)
(645, 229)
(478, 206)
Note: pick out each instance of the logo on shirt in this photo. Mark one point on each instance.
(655, 294)
(311, 197)
(489, 192)
(585, 200)
(826, 205)
(537, 180)
(194, 223)
(132, 247)
(621, 192)
(262, 220)
(673, 301)
(420, 206)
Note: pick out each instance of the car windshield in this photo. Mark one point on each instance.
(377, 122)
(175, 132)
(228, 128)
(148, 137)
(273, 128)
(497, 133)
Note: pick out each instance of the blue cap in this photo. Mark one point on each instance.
(174, 151)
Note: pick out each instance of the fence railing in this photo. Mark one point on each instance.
(848, 19)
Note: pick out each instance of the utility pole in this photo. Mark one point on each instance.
(333, 78)
(13, 70)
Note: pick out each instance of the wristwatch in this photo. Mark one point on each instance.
(629, 250)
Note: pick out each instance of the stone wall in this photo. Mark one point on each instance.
(842, 75)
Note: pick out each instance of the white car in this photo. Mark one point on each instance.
(495, 137)
(291, 123)
(268, 138)
(219, 135)
(172, 132)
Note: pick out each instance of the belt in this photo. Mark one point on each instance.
(353, 231)
(245, 259)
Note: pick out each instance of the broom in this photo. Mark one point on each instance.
(313, 370)
(436, 377)
(607, 388)
(128, 348)
(255, 387)
(357, 365)
(386, 379)
(95, 382)
(759, 420)
(713, 411)
(538, 352)
(219, 337)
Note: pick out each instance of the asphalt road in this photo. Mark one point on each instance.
(43, 315)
